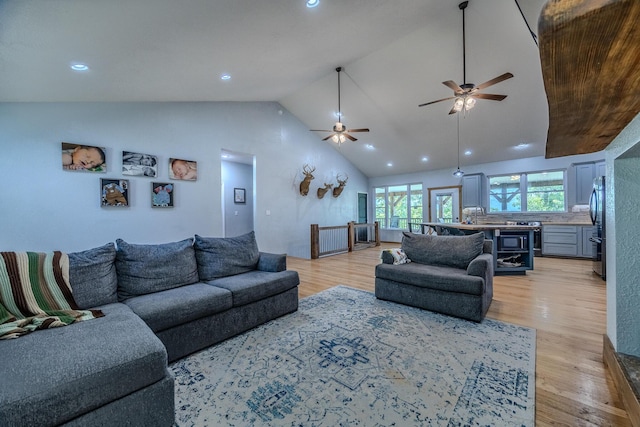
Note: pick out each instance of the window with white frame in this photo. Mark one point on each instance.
(398, 205)
(528, 192)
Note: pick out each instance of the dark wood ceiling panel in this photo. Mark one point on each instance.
(590, 56)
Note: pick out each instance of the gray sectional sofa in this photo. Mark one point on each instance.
(447, 274)
(160, 303)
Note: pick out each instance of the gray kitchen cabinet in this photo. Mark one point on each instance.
(473, 190)
(588, 247)
(567, 241)
(585, 172)
(601, 168)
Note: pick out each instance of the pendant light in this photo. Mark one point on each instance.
(458, 173)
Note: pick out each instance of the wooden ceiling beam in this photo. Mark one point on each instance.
(590, 57)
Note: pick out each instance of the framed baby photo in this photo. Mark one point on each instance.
(114, 192)
(84, 158)
(239, 195)
(139, 164)
(183, 169)
(162, 194)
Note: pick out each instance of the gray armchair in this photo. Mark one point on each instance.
(447, 274)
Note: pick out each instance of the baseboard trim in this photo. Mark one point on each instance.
(630, 399)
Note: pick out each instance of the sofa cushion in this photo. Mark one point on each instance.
(226, 256)
(144, 269)
(92, 275)
(433, 277)
(165, 309)
(257, 285)
(56, 375)
(455, 251)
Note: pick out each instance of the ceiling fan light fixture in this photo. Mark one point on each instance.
(469, 103)
(458, 104)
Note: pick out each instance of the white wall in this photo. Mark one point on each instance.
(623, 246)
(45, 208)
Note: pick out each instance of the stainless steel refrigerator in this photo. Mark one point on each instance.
(597, 213)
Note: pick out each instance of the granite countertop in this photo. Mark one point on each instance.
(461, 226)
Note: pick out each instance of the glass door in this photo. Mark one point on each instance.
(444, 204)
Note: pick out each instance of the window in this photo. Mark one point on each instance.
(528, 192)
(398, 205)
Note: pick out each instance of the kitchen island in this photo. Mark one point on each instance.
(512, 244)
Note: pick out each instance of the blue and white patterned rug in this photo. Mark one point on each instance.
(347, 359)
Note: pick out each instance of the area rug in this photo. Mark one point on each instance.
(346, 358)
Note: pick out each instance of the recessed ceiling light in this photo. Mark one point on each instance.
(369, 147)
(225, 77)
(467, 153)
(389, 164)
(313, 3)
(521, 146)
(424, 159)
(225, 156)
(79, 66)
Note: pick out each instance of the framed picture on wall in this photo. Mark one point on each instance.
(162, 195)
(239, 195)
(87, 158)
(139, 164)
(114, 192)
(183, 169)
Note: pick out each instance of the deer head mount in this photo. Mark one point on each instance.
(323, 191)
(308, 176)
(341, 184)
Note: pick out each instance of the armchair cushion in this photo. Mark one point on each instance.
(454, 251)
(92, 276)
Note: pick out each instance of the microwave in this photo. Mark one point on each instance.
(512, 243)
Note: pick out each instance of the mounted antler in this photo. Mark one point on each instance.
(323, 191)
(341, 184)
(304, 185)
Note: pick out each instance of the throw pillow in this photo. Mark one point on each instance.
(394, 256)
(455, 251)
(226, 256)
(145, 269)
(92, 275)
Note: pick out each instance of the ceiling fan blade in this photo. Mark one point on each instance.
(453, 85)
(358, 130)
(319, 130)
(324, 139)
(433, 102)
(489, 96)
(453, 110)
(349, 136)
(493, 81)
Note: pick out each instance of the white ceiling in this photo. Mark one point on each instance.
(395, 55)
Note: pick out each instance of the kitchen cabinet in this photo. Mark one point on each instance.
(585, 172)
(567, 241)
(601, 168)
(512, 261)
(473, 190)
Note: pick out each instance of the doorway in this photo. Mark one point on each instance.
(444, 204)
(237, 192)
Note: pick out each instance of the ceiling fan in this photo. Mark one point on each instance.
(465, 95)
(340, 133)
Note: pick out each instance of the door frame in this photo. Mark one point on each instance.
(452, 187)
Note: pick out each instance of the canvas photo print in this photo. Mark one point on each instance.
(79, 157)
(162, 195)
(139, 164)
(114, 192)
(183, 169)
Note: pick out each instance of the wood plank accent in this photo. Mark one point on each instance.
(621, 380)
(590, 67)
(561, 298)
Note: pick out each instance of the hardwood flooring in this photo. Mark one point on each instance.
(560, 298)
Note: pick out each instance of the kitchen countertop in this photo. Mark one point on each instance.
(461, 226)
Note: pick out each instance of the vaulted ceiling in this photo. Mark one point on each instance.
(395, 55)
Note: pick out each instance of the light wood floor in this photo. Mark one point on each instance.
(560, 298)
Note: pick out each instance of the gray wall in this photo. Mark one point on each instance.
(238, 217)
(46, 208)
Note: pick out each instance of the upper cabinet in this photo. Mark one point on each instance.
(584, 175)
(473, 190)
